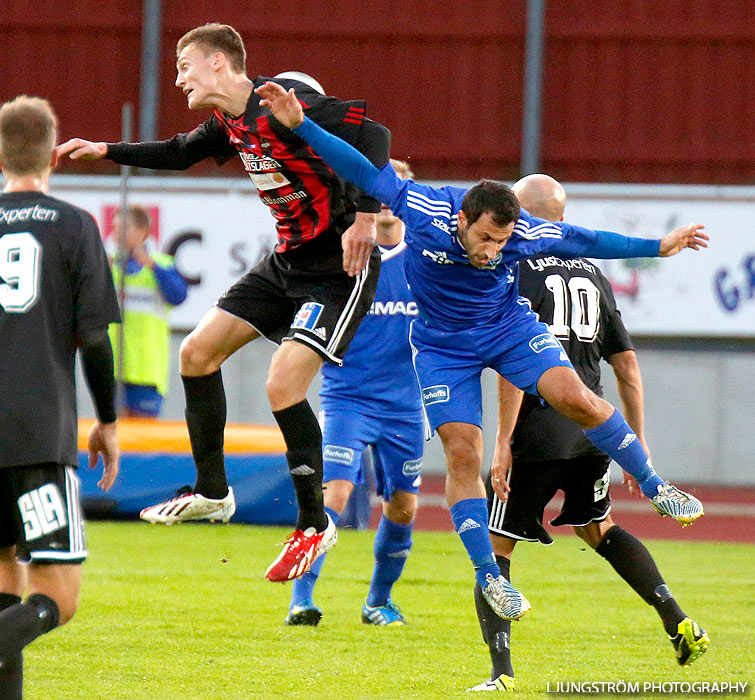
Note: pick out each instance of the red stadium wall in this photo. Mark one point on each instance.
(640, 91)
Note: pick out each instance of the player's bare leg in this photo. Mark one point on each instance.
(465, 493)
(53, 592)
(218, 335)
(606, 428)
(293, 367)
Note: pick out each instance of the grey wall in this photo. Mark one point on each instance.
(700, 407)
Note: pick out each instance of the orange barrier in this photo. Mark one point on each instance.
(152, 435)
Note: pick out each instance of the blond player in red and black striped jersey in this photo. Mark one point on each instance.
(313, 290)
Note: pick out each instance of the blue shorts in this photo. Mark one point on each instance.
(397, 444)
(449, 364)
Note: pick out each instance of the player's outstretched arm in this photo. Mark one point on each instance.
(346, 160)
(685, 237)
(79, 149)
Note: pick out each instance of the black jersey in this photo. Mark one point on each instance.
(55, 286)
(308, 200)
(575, 299)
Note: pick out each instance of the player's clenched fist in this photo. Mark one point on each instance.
(78, 149)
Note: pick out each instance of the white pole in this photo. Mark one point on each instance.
(122, 256)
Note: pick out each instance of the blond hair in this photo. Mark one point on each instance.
(28, 132)
(217, 37)
(402, 168)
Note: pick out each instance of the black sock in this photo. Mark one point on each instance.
(205, 418)
(12, 667)
(632, 561)
(495, 631)
(301, 431)
(22, 623)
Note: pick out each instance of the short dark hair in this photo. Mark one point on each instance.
(28, 131)
(217, 37)
(494, 197)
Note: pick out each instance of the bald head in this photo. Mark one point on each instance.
(541, 196)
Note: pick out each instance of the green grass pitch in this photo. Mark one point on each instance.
(185, 612)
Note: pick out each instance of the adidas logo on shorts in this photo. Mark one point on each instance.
(629, 438)
(468, 524)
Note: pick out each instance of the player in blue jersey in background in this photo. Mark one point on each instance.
(373, 400)
(461, 262)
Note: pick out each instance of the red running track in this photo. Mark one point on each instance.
(729, 513)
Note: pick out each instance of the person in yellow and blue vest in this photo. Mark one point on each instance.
(153, 286)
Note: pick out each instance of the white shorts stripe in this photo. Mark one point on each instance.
(348, 311)
(310, 341)
(497, 511)
(75, 519)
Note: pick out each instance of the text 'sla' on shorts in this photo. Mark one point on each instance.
(40, 513)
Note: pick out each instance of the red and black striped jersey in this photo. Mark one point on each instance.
(307, 199)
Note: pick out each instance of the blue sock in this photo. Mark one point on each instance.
(470, 518)
(392, 544)
(305, 585)
(618, 441)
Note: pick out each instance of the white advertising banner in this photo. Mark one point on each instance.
(218, 229)
(709, 292)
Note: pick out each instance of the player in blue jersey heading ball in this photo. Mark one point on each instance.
(462, 250)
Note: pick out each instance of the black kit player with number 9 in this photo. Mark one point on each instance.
(314, 289)
(56, 295)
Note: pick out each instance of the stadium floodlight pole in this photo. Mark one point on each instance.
(533, 81)
(122, 257)
(150, 69)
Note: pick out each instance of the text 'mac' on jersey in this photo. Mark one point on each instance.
(576, 301)
(377, 376)
(55, 285)
(450, 292)
(308, 200)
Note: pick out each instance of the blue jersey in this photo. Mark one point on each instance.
(377, 372)
(450, 292)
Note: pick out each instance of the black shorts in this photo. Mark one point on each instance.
(313, 300)
(40, 513)
(584, 481)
